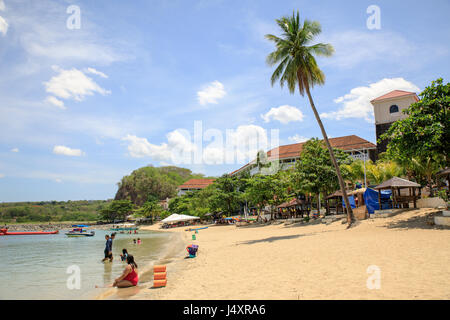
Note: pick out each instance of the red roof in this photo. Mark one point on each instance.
(396, 94)
(196, 184)
(345, 143)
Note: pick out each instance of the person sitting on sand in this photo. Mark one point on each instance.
(124, 255)
(134, 241)
(139, 241)
(129, 277)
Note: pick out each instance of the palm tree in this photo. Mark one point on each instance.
(294, 56)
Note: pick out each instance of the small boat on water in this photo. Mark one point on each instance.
(5, 232)
(80, 232)
(124, 227)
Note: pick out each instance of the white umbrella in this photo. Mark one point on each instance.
(178, 217)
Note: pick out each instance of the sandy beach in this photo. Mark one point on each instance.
(312, 261)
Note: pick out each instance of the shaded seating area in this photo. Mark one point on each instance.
(294, 208)
(400, 198)
(334, 203)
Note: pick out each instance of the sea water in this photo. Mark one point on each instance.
(40, 266)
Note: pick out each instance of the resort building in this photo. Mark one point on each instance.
(355, 146)
(388, 109)
(193, 185)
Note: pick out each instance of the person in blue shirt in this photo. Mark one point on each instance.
(108, 247)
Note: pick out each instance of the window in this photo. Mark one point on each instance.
(393, 108)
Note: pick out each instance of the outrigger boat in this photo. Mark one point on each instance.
(79, 232)
(125, 227)
(5, 232)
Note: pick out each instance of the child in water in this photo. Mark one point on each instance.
(124, 255)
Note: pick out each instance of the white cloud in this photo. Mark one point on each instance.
(66, 151)
(284, 114)
(56, 102)
(211, 93)
(298, 138)
(3, 26)
(177, 143)
(2, 175)
(355, 47)
(356, 103)
(58, 180)
(239, 145)
(41, 31)
(72, 84)
(15, 150)
(2, 5)
(96, 72)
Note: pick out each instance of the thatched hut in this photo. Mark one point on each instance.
(294, 208)
(334, 203)
(400, 200)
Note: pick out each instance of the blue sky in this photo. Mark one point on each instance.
(80, 108)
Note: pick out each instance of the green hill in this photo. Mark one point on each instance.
(149, 181)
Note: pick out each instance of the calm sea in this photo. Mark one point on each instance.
(35, 267)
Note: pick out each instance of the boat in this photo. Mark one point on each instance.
(5, 232)
(79, 232)
(125, 227)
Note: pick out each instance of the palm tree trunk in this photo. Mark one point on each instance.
(350, 216)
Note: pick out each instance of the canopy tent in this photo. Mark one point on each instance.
(372, 200)
(178, 217)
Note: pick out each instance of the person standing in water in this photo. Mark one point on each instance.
(108, 249)
(129, 277)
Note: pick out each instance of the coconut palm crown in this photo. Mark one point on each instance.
(295, 55)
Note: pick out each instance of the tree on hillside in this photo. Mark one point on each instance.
(117, 210)
(150, 208)
(425, 133)
(160, 182)
(297, 66)
(314, 171)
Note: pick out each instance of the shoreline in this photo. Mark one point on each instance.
(170, 254)
(44, 226)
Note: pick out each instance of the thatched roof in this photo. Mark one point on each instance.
(443, 172)
(397, 182)
(292, 203)
(335, 194)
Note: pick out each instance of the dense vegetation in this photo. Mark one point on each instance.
(46, 211)
(153, 183)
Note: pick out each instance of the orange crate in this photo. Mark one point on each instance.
(159, 283)
(159, 276)
(159, 269)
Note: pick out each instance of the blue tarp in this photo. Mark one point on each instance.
(351, 199)
(80, 225)
(371, 199)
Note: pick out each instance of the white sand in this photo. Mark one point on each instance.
(314, 262)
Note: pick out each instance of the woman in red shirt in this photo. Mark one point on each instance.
(129, 277)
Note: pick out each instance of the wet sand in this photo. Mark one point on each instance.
(313, 261)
